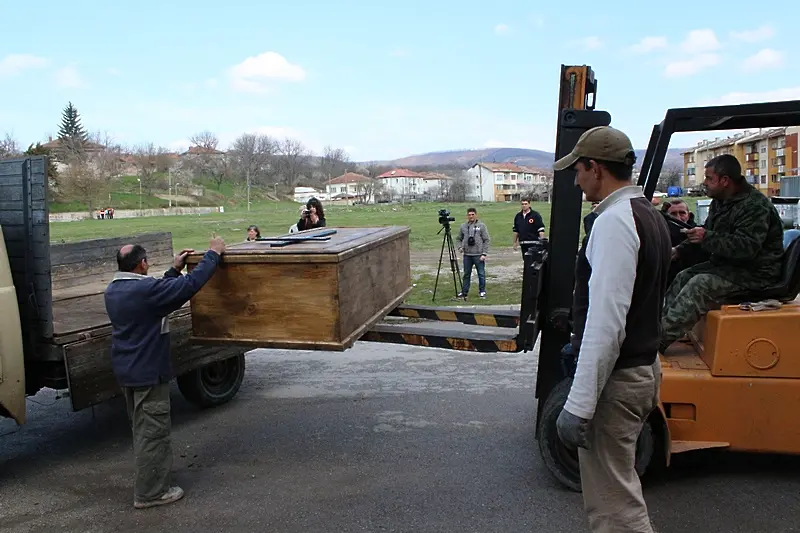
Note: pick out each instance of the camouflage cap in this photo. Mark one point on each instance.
(602, 143)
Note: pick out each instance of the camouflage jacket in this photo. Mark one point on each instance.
(743, 240)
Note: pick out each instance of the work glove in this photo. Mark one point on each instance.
(573, 430)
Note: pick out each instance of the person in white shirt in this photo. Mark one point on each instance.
(623, 268)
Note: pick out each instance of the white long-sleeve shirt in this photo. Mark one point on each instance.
(629, 253)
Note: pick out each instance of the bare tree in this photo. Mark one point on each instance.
(333, 163)
(457, 189)
(251, 155)
(671, 175)
(293, 160)
(205, 139)
(9, 147)
(146, 158)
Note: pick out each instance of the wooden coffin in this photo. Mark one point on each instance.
(322, 294)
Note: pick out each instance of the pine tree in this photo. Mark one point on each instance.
(71, 128)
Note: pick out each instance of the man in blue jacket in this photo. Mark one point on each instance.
(138, 306)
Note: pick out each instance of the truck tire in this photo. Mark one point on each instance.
(561, 461)
(213, 384)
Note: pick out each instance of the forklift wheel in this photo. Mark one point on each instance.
(563, 462)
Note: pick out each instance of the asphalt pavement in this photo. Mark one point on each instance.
(381, 438)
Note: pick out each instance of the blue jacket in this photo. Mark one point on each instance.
(138, 307)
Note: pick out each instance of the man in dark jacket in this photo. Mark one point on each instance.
(138, 306)
(743, 239)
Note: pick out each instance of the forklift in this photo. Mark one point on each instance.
(732, 384)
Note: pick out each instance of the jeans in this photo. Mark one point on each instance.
(469, 261)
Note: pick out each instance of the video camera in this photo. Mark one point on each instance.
(444, 217)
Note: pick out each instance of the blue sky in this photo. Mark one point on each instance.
(381, 79)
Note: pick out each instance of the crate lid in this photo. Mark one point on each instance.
(320, 245)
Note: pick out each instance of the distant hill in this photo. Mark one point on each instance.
(520, 156)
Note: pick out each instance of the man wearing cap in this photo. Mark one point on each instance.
(616, 383)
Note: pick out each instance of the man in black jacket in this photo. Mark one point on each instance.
(138, 306)
(528, 225)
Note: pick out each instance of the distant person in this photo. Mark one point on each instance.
(253, 233)
(313, 216)
(138, 306)
(473, 242)
(679, 210)
(528, 225)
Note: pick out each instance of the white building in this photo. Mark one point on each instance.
(402, 183)
(502, 182)
(304, 194)
(351, 186)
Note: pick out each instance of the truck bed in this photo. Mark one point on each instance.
(79, 312)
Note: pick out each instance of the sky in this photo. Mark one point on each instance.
(380, 79)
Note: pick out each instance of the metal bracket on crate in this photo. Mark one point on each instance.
(285, 240)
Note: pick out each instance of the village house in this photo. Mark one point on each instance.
(503, 182)
(350, 187)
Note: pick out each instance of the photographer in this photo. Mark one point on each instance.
(312, 216)
(474, 232)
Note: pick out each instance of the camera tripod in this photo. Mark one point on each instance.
(447, 239)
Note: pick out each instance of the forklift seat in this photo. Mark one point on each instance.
(787, 287)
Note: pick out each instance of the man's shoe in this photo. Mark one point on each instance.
(171, 496)
(461, 295)
(482, 294)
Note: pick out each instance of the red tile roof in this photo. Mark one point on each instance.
(349, 177)
(400, 173)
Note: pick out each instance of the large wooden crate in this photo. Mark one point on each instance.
(310, 295)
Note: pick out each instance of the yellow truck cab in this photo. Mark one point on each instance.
(12, 355)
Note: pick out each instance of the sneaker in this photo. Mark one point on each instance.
(172, 495)
(482, 294)
(461, 295)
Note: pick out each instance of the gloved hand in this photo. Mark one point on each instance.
(573, 430)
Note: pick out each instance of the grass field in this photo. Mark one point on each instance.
(273, 218)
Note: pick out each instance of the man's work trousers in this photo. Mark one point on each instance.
(689, 298)
(480, 266)
(612, 493)
(149, 412)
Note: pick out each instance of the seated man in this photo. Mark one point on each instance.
(743, 237)
(678, 209)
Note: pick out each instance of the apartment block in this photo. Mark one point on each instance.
(766, 156)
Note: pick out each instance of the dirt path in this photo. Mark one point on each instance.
(504, 263)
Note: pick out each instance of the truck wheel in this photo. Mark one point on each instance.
(563, 462)
(213, 384)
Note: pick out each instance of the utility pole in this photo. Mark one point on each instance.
(247, 173)
(169, 176)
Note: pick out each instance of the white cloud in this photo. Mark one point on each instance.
(754, 36)
(14, 64)
(764, 59)
(254, 73)
(649, 44)
(589, 43)
(502, 29)
(181, 145)
(700, 41)
(773, 95)
(68, 77)
(687, 67)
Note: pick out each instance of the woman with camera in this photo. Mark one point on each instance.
(313, 216)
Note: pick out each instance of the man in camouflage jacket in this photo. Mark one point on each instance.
(742, 239)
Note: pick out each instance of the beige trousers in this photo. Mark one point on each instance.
(612, 493)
